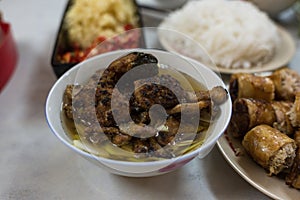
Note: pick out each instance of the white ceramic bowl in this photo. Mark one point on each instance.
(273, 7)
(127, 168)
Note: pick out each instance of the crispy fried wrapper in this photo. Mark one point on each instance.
(287, 83)
(270, 148)
(293, 177)
(244, 85)
(283, 122)
(248, 113)
(294, 113)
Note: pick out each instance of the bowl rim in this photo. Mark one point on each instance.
(205, 146)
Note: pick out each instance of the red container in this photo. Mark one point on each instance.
(8, 54)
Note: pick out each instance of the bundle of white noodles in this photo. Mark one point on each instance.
(88, 19)
(234, 33)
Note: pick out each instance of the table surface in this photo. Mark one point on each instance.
(35, 165)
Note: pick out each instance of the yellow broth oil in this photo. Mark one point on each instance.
(108, 150)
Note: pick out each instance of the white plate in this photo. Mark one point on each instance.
(273, 186)
(162, 4)
(283, 54)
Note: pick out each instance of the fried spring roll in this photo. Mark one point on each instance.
(293, 177)
(294, 113)
(244, 85)
(248, 113)
(283, 122)
(287, 83)
(270, 148)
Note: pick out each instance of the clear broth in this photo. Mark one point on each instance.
(109, 150)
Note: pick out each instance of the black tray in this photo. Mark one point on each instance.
(62, 44)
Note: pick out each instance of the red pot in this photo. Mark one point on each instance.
(8, 54)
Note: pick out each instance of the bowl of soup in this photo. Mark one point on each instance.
(139, 112)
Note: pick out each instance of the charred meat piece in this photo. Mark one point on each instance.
(123, 74)
(139, 117)
(150, 147)
(90, 105)
(147, 96)
(165, 80)
(140, 146)
(79, 101)
(146, 64)
(157, 150)
(111, 76)
(174, 85)
(67, 101)
(206, 103)
(190, 108)
(96, 135)
(165, 137)
(217, 94)
(163, 90)
(110, 103)
(121, 139)
(150, 94)
(138, 130)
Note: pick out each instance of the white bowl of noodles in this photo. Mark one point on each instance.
(231, 35)
(127, 167)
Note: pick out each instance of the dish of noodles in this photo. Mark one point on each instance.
(263, 137)
(237, 36)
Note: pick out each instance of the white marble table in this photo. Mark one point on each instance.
(35, 165)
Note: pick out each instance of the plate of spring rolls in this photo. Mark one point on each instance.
(262, 141)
